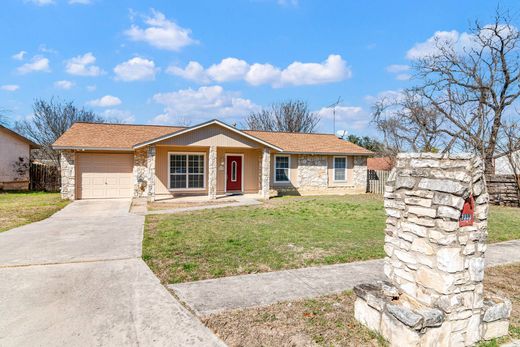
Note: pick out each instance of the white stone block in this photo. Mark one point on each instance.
(366, 315)
(423, 211)
(397, 333)
(414, 228)
(450, 259)
(442, 185)
(405, 256)
(495, 329)
(418, 201)
(448, 212)
(422, 246)
(441, 282)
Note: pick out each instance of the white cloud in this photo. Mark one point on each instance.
(64, 84)
(161, 33)
(333, 69)
(41, 2)
(83, 65)
(91, 88)
(397, 68)
(347, 117)
(460, 43)
(263, 74)
(105, 101)
(19, 56)
(38, 64)
(205, 102)
(400, 71)
(10, 87)
(403, 77)
(136, 69)
(229, 69)
(388, 95)
(119, 115)
(80, 2)
(194, 71)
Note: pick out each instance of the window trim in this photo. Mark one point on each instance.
(187, 174)
(334, 169)
(226, 155)
(288, 168)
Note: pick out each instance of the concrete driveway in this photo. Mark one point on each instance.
(77, 279)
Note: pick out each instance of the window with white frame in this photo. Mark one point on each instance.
(281, 168)
(340, 169)
(186, 171)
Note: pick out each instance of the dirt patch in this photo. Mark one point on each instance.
(329, 320)
(154, 206)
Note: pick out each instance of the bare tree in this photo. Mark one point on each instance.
(466, 86)
(290, 116)
(509, 146)
(408, 122)
(50, 120)
(471, 87)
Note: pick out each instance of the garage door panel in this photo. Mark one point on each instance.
(103, 175)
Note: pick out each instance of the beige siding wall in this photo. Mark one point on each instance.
(293, 171)
(11, 148)
(250, 163)
(162, 170)
(350, 173)
(213, 135)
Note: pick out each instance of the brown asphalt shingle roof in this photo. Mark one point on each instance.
(308, 143)
(116, 136)
(125, 136)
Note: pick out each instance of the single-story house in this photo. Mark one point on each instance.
(212, 158)
(15, 154)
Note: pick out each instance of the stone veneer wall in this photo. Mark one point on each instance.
(265, 173)
(68, 175)
(312, 172)
(360, 172)
(140, 172)
(212, 172)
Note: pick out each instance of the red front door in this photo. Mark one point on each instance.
(234, 173)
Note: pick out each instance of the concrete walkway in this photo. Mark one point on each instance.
(241, 201)
(216, 295)
(77, 279)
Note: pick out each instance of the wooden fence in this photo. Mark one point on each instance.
(44, 177)
(503, 190)
(376, 181)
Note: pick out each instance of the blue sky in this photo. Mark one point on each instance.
(171, 62)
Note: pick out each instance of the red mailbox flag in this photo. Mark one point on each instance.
(468, 210)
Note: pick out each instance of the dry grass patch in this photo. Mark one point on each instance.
(160, 205)
(329, 320)
(19, 208)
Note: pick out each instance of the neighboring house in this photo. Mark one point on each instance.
(380, 164)
(15, 154)
(503, 165)
(212, 158)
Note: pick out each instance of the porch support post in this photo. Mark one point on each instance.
(212, 173)
(266, 173)
(150, 166)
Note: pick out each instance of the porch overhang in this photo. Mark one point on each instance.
(202, 125)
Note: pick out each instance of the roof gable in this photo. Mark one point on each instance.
(19, 137)
(205, 125)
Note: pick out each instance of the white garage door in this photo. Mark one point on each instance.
(104, 175)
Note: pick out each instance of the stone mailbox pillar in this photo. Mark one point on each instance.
(434, 262)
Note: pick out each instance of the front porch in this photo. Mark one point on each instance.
(193, 174)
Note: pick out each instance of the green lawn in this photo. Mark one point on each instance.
(19, 208)
(285, 233)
